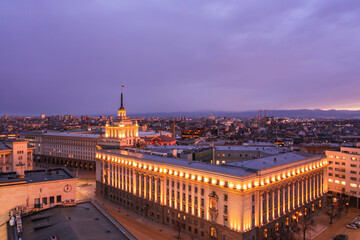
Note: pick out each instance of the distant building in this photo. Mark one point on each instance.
(74, 150)
(15, 156)
(43, 116)
(160, 140)
(122, 132)
(192, 133)
(344, 173)
(212, 117)
(317, 148)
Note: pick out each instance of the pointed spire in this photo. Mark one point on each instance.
(122, 102)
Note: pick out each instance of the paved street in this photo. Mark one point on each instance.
(139, 226)
(339, 227)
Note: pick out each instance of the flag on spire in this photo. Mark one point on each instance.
(122, 85)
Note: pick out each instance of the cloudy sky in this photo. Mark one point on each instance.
(72, 56)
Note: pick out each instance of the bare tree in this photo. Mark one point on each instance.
(287, 232)
(331, 208)
(306, 223)
(179, 225)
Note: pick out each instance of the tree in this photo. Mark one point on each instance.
(342, 202)
(306, 223)
(331, 208)
(179, 224)
(287, 232)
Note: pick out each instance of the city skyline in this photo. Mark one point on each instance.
(72, 58)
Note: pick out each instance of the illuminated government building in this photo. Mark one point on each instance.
(122, 131)
(249, 199)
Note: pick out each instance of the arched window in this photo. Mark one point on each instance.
(213, 233)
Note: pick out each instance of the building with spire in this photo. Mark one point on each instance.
(122, 131)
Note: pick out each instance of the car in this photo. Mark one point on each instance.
(351, 225)
(341, 237)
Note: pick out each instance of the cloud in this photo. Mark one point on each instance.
(72, 57)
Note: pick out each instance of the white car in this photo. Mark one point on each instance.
(351, 225)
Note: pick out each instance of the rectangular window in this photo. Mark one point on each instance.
(225, 197)
(58, 198)
(44, 200)
(225, 209)
(52, 199)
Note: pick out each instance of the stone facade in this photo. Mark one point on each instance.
(207, 203)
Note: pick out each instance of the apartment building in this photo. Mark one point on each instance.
(344, 173)
(242, 200)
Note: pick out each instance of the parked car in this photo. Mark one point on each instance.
(341, 237)
(351, 225)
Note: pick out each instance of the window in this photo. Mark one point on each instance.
(225, 197)
(225, 222)
(202, 191)
(196, 189)
(225, 209)
(44, 200)
(52, 199)
(253, 198)
(353, 172)
(58, 198)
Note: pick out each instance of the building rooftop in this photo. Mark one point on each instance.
(273, 161)
(151, 133)
(85, 221)
(239, 169)
(34, 176)
(67, 134)
(236, 171)
(3, 146)
(268, 150)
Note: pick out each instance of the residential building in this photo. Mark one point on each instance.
(344, 173)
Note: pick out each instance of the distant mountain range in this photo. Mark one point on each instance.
(300, 113)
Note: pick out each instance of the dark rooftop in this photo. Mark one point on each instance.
(85, 221)
(41, 175)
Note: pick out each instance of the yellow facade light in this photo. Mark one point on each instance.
(256, 184)
(170, 171)
(155, 169)
(238, 186)
(273, 179)
(193, 177)
(165, 170)
(206, 180)
(199, 178)
(244, 187)
(175, 173)
(161, 170)
(222, 183)
(262, 183)
(186, 175)
(267, 181)
(213, 181)
(231, 185)
(249, 185)
(181, 174)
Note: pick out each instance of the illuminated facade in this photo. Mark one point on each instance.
(122, 131)
(246, 200)
(15, 156)
(344, 173)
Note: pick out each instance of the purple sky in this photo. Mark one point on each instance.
(72, 56)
